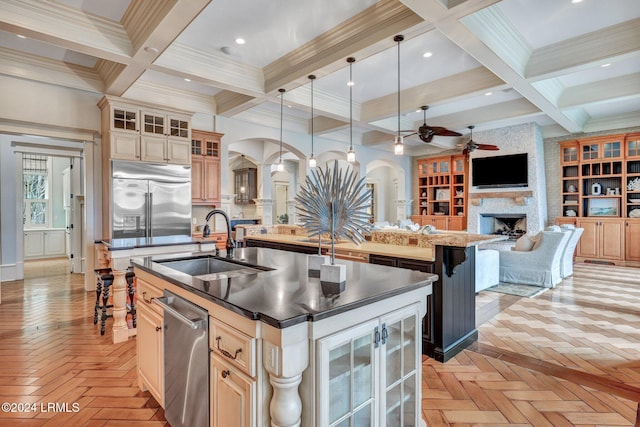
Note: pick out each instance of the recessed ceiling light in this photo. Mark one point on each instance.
(187, 80)
(608, 64)
(427, 54)
(20, 36)
(150, 49)
(488, 93)
(240, 40)
(576, 1)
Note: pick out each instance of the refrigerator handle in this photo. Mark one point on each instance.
(149, 213)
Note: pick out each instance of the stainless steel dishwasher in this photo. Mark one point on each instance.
(186, 362)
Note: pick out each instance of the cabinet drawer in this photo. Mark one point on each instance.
(234, 346)
(146, 294)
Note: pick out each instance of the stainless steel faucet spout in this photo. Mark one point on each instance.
(230, 243)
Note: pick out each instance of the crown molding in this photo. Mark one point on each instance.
(143, 17)
(171, 98)
(55, 23)
(37, 68)
(551, 89)
(496, 31)
(585, 51)
(619, 87)
(216, 70)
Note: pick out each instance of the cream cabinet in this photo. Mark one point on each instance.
(369, 374)
(233, 395)
(149, 341)
(165, 150)
(46, 243)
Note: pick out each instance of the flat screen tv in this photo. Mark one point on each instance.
(500, 171)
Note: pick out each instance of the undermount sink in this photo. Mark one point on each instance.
(208, 266)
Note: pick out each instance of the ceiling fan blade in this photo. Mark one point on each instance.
(487, 147)
(411, 134)
(444, 131)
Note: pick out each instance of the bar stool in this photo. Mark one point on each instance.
(130, 276)
(104, 281)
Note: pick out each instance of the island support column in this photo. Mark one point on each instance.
(285, 356)
(452, 325)
(120, 328)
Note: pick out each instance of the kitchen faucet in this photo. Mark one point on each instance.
(230, 243)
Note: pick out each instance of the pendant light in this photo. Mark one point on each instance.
(351, 154)
(243, 189)
(280, 166)
(398, 145)
(312, 159)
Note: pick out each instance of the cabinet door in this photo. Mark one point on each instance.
(211, 175)
(125, 146)
(457, 223)
(632, 240)
(178, 152)
(152, 149)
(441, 222)
(33, 244)
(400, 368)
(233, 396)
(197, 165)
(612, 239)
(150, 351)
(588, 244)
(347, 369)
(54, 242)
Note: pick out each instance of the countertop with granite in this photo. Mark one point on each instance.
(399, 243)
(275, 286)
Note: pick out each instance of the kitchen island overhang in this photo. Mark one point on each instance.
(286, 313)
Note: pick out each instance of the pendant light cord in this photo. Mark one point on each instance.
(312, 78)
(399, 39)
(281, 113)
(351, 60)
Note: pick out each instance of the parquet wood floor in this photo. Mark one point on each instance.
(569, 357)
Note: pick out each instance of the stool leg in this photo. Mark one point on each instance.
(132, 303)
(105, 302)
(97, 307)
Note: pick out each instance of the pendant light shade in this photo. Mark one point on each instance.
(280, 166)
(243, 189)
(351, 153)
(398, 146)
(312, 158)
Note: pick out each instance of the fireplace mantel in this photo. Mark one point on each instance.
(519, 197)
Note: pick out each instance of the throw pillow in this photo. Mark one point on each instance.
(536, 239)
(523, 244)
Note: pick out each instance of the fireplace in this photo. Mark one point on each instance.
(511, 225)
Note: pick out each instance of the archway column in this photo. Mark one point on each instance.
(264, 210)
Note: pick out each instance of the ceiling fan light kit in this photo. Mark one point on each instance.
(471, 146)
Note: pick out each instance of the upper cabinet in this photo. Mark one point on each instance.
(205, 167)
(134, 131)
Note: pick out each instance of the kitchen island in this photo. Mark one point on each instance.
(450, 324)
(289, 350)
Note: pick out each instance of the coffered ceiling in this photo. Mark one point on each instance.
(569, 66)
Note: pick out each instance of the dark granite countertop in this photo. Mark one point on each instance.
(286, 295)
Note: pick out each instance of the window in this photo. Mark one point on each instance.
(35, 190)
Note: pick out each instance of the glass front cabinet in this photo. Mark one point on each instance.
(369, 374)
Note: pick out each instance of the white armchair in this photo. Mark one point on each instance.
(487, 262)
(566, 266)
(540, 266)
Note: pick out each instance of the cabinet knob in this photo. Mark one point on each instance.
(158, 328)
(225, 373)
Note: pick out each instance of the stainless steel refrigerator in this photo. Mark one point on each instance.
(150, 200)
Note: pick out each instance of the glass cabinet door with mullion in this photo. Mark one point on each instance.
(347, 378)
(400, 362)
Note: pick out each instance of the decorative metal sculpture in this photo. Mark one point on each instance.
(334, 203)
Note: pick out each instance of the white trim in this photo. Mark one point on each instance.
(46, 149)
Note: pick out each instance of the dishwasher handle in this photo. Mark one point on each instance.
(192, 323)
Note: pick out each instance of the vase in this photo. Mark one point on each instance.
(596, 189)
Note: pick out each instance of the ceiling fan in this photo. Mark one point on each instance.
(426, 132)
(472, 145)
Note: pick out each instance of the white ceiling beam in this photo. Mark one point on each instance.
(611, 89)
(460, 34)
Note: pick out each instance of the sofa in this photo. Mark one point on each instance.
(540, 266)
